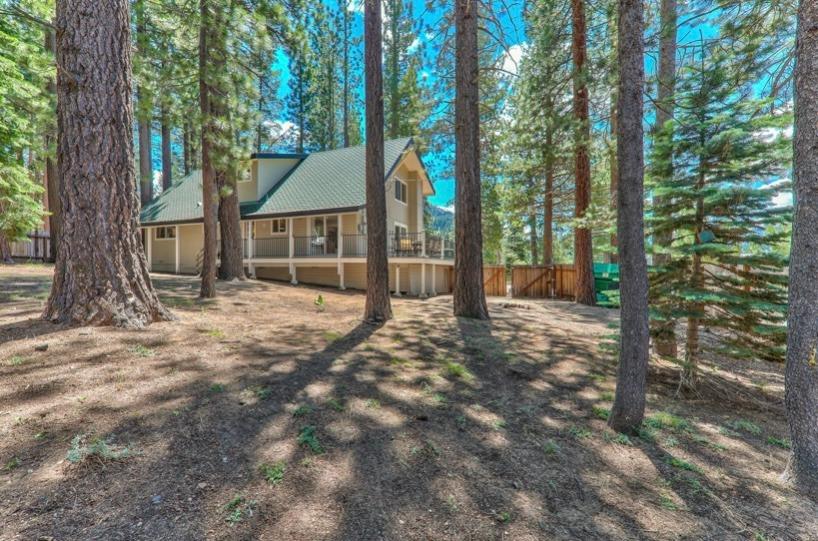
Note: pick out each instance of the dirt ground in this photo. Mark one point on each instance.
(261, 415)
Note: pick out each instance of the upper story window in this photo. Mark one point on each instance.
(245, 176)
(401, 191)
(165, 233)
(278, 225)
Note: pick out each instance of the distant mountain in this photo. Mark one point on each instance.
(441, 219)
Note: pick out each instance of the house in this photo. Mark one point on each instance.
(303, 220)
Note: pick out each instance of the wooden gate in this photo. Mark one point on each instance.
(494, 280)
(543, 281)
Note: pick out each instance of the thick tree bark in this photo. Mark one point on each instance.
(801, 379)
(145, 113)
(469, 295)
(378, 305)
(52, 179)
(664, 332)
(209, 131)
(583, 249)
(101, 275)
(231, 266)
(5, 250)
(629, 402)
(167, 164)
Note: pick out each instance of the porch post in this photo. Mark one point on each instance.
(340, 240)
(434, 280)
(341, 284)
(292, 239)
(423, 280)
(178, 252)
(293, 280)
(397, 280)
(149, 247)
(249, 240)
(423, 243)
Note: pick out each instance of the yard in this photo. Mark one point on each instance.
(263, 415)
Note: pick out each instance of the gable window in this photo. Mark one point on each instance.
(401, 191)
(245, 176)
(279, 225)
(164, 233)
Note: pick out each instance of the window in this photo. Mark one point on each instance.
(245, 176)
(401, 231)
(401, 191)
(279, 225)
(163, 233)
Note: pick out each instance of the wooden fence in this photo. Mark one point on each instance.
(37, 247)
(543, 281)
(494, 280)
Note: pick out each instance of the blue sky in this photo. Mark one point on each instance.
(430, 44)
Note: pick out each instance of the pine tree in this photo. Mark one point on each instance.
(469, 298)
(629, 403)
(724, 273)
(25, 70)
(801, 378)
(583, 251)
(101, 275)
(378, 308)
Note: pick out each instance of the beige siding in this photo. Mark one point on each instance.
(396, 212)
(163, 256)
(273, 273)
(191, 242)
(270, 171)
(301, 227)
(248, 191)
(321, 276)
(355, 275)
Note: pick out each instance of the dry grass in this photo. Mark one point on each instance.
(429, 427)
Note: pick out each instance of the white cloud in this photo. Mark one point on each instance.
(783, 199)
(414, 45)
(355, 6)
(512, 57)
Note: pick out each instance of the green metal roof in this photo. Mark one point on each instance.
(322, 181)
(182, 202)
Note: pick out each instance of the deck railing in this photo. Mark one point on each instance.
(271, 247)
(352, 245)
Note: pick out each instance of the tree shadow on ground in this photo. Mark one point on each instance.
(431, 427)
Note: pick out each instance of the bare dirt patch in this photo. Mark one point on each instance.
(262, 416)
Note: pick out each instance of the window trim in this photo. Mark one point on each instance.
(403, 226)
(171, 229)
(279, 221)
(405, 191)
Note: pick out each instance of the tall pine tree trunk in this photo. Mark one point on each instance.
(689, 377)
(469, 295)
(52, 179)
(145, 108)
(583, 250)
(101, 275)
(378, 305)
(548, 202)
(664, 331)
(801, 379)
(532, 233)
(394, 68)
(629, 402)
(346, 31)
(209, 133)
(231, 265)
(167, 164)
